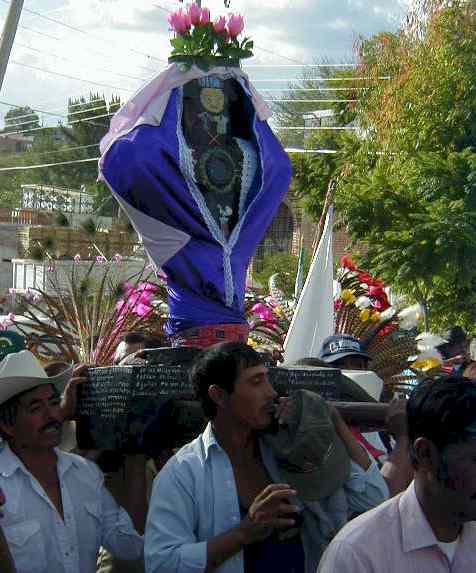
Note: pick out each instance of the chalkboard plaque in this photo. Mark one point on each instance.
(136, 408)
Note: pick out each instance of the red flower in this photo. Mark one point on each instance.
(346, 263)
(364, 277)
(338, 304)
(377, 291)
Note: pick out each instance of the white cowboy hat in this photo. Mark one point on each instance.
(21, 371)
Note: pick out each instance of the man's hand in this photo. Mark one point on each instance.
(69, 400)
(269, 510)
(283, 410)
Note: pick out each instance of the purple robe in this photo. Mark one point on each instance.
(148, 169)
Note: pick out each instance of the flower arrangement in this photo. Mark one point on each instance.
(85, 311)
(386, 332)
(200, 41)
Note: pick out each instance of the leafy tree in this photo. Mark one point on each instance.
(21, 119)
(286, 265)
(408, 193)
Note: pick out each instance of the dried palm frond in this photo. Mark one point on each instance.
(80, 317)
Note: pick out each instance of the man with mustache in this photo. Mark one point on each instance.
(431, 527)
(219, 504)
(57, 512)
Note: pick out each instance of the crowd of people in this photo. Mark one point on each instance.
(272, 483)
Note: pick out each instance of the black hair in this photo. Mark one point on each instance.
(441, 411)
(133, 338)
(220, 364)
(9, 409)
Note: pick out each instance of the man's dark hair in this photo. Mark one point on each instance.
(133, 338)
(441, 411)
(220, 364)
(9, 409)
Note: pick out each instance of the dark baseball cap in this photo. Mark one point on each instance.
(339, 346)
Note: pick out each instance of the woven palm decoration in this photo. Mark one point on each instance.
(362, 309)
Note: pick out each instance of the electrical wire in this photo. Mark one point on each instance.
(65, 59)
(76, 161)
(79, 30)
(70, 77)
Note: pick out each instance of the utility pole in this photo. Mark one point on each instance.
(8, 35)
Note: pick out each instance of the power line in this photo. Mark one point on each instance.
(273, 80)
(89, 48)
(66, 148)
(311, 100)
(76, 161)
(299, 65)
(89, 109)
(319, 128)
(70, 77)
(39, 33)
(79, 30)
(29, 167)
(312, 89)
(65, 59)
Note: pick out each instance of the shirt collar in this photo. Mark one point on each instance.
(10, 462)
(209, 439)
(416, 531)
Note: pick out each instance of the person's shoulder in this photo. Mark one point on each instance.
(85, 470)
(372, 526)
(191, 455)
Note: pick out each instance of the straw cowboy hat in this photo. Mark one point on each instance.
(21, 371)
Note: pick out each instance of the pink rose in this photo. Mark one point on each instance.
(195, 13)
(205, 16)
(179, 21)
(219, 25)
(77, 258)
(235, 25)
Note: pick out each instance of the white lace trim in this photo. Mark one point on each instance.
(250, 165)
(187, 167)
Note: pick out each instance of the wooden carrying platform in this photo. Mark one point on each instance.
(136, 409)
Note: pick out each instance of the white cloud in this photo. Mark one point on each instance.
(283, 30)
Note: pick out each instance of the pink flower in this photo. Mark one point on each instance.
(235, 25)
(195, 13)
(50, 268)
(263, 312)
(180, 21)
(205, 16)
(117, 258)
(219, 25)
(101, 260)
(77, 258)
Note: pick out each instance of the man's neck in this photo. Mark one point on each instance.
(234, 438)
(39, 461)
(445, 525)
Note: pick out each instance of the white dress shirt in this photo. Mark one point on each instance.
(194, 498)
(40, 541)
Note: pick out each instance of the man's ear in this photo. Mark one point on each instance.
(426, 454)
(217, 394)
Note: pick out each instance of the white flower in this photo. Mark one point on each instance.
(427, 342)
(409, 317)
(363, 302)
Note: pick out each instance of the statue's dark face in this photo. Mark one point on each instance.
(207, 110)
(213, 118)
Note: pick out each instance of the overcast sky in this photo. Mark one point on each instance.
(126, 41)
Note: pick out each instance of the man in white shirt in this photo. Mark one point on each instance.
(57, 512)
(431, 527)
